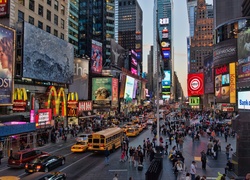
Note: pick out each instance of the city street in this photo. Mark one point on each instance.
(90, 166)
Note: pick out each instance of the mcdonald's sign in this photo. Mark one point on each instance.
(72, 104)
(56, 100)
(20, 100)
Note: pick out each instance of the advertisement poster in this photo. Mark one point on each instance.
(166, 83)
(4, 8)
(243, 58)
(118, 54)
(43, 117)
(114, 92)
(135, 88)
(47, 57)
(222, 84)
(101, 91)
(195, 84)
(194, 101)
(6, 68)
(244, 100)
(129, 88)
(209, 74)
(122, 87)
(80, 81)
(96, 57)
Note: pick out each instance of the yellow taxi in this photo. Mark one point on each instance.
(9, 178)
(132, 131)
(80, 146)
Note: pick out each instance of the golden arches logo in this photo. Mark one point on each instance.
(56, 98)
(73, 96)
(20, 94)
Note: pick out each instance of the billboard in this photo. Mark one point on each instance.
(7, 39)
(244, 100)
(232, 71)
(46, 57)
(209, 74)
(117, 54)
(80, 80)
(4, 8)
(166, 83)
(195, 84)
(96, 57)
(129, 88)
(101, 92)
(243, 59)
(222, 84)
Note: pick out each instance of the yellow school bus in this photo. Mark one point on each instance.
(109, 138)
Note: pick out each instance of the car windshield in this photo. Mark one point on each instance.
(130, 130)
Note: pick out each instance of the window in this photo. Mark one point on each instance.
(62, 23)
(55, 32)
(56, 19)
(49, 2)
(20, 16)
(21, 2)
(48, 15)
(62, 10)
(32, 5)
(56, 5)
(48, 28)
(40, 10)
(62, 36)
(40, 25)
(31, 20)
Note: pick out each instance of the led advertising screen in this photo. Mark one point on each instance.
(7, 37)
(96, 57)
(166, 83)
(243, 58)
(194, 101)
(4, 8)
(135, 88)
(195, 84)
(101, 92)
(80, 80)
(244, 100)
(221, 83)
(114, 92)
(209, 74)
(47, 57)
(129, 88)
(117, 54)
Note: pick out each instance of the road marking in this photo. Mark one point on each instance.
(21, 174)
(61, 148)
(210, 178)
(112, 170)
(75, 162)
(4, 169)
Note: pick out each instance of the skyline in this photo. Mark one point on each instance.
(180, 33)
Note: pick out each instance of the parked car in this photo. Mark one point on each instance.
(44, 163)
(20, 158)
(46, 176)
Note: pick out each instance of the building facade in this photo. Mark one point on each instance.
(73, 24)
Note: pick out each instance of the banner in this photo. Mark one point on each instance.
(96, 57)
(114, 92)
(20, 100)
(232, 69)
(195, 84)
(7, 39)
(56, 99)
(85, 106)
(244, 100)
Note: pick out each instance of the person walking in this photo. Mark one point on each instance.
(193, 170)
(203, 159)
(115, 177)
(106, 153)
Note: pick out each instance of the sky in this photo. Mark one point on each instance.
(180, 33)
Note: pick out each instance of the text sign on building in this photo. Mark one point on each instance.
(194, 101)
(84, 106)
(244, 100)
(195, 84)
(164, 21)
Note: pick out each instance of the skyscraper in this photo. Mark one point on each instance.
(73, 24)
(202, 39)
(130, 27)
(96, 22)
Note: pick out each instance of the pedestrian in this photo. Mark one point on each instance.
(106, 153)
(188, 176)
(166, 148)
(115, 177)
(203, 159)
(130, 178)
(193, 170)
(209, 147)
(225, 135)
(215, 149)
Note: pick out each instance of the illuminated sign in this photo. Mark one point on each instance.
(164, 21)
(85, 106)
(243, 99)
(195, 84)
(232, 83)
(54, 101)
(20, 100)
(221, 70)
(194, 101)
(3, 8)
(72, 104)
(43, 117)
